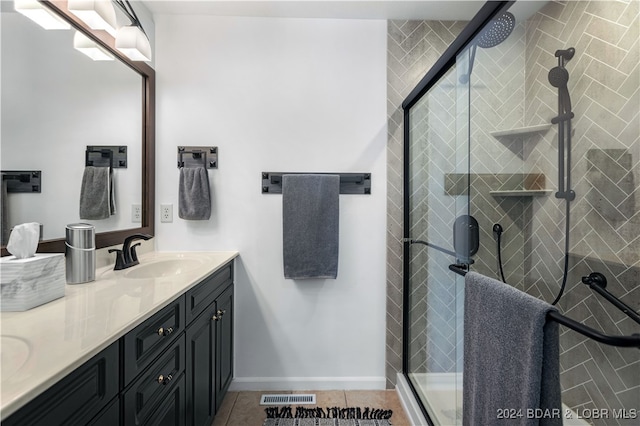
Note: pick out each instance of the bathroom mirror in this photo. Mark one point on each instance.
(81, 102)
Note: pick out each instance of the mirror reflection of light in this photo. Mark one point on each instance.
(97, 14)
(90, 48)
(39, 14)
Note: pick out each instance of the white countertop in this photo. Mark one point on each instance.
(41, 346)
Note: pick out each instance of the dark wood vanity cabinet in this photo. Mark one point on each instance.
(171, 370)
(76, 399)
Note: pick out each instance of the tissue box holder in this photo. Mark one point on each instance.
(27, 283)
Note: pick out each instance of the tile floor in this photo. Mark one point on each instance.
(244, 409)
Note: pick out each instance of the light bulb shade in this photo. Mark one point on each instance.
(90, 48)
(41, 15)
(97, 14)
(133, 43)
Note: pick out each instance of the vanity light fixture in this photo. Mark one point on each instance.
(132, 40)
(40, 14)
(97, 14)
(90, 48)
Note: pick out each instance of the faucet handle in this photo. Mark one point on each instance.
(134, 255)
(119, 259)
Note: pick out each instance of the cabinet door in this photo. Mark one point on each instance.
(224, 344)
(201, 353)
(146, 398)
(77, 398)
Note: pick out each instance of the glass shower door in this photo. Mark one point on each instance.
(437, 173)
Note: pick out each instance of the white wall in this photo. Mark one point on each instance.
(282, 95)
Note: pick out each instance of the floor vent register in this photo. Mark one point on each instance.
(286, 399)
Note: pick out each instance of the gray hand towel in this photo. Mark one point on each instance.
(310, 210)
(511, 357)
(194, 199)
(95, 193)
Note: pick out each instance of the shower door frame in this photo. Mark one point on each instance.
(439, 69)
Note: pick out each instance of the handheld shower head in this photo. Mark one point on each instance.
(559, 77)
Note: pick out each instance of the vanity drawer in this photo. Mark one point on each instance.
(157, 388)
(77, 398)
(203, 294)
(147, 341)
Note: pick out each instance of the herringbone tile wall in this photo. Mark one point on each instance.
(605, 216)
(510, 89)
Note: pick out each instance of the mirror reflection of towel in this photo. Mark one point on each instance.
(194, 198)
(97, 195)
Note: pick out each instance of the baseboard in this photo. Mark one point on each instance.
(307, 383)
(409, 403)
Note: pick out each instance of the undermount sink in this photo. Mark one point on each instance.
(163, 268)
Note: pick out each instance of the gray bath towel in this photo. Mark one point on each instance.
(310, 209)
(97, 199)
(194, 198)
(511, 357)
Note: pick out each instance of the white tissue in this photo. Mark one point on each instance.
(23, 241)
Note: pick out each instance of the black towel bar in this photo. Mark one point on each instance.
(114, 156)
(620, 341)
(206, 156)
(350, 183)
(23, 180)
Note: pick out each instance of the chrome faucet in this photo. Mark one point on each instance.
(127, 257)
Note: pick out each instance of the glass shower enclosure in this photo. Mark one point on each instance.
(522, 154)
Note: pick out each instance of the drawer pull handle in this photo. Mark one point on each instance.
(165, 331)
(218, 315)
(164, 380)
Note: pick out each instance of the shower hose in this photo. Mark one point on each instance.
(497, 229)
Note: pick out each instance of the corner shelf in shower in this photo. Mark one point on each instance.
(521, 131)
(522, 193)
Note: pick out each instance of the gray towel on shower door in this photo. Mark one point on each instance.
(511, 356)
(310, 210)
(194, 198)
(96, 193)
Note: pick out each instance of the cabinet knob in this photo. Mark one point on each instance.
(165, 331)
(164, 380)
(218, 315)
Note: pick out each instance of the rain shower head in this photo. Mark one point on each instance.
(494, 33)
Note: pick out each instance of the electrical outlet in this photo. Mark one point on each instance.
(136, 213)
(166, 213)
